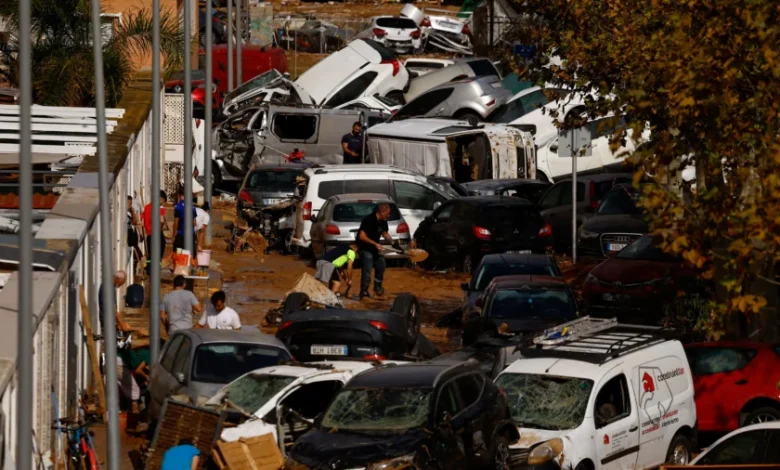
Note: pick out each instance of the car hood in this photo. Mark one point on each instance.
(621, 223)
(633, 271)
(205, 389)
(341, 450)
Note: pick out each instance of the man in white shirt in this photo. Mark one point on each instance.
(202, 221)
(220, 317)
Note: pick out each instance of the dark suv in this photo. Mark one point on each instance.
(617, 223)
(424, 415)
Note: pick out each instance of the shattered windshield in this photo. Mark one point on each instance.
(259, 81)
(546, 401)
(252, 391)
(378, 410)
(548, 304)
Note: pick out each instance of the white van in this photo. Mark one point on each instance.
(594, 394)
(453, 148)
(415, 196)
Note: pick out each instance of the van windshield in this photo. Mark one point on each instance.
(546, 401)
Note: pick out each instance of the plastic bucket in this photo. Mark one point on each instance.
(204, 257)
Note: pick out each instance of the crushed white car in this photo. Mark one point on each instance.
(270, 86)
(397, 33)
(441, 32)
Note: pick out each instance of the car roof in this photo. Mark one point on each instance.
(416, 375)
(364, 168)
(206, 336)
(358, 197)
(417, 128)
(495, 201)
(508, 282)
(502, 182)
(512, 258)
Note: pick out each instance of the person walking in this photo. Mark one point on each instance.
(372, 229)
(177, 307)
(178, 223)
(202, 222)
(183, 456)
(147, 216)
(336, 265)
(352, 144)
(219, 316)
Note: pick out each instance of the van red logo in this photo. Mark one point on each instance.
(647, 383)
(606, 439)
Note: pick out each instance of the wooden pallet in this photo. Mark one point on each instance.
(253, 453)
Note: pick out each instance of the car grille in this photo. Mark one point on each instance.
(518, 456)
(624, 238)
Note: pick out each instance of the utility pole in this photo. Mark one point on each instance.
(239, 40)
(188, 227)
(231, 37)
(156, 243)
(207, 159)
(574, 152)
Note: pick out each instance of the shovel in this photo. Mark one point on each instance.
(415, 255)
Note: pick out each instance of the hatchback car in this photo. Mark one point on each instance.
(464, 230)
(427, 415)
(199, 362)
(475, 98)
(618, 221)
(397, 33)
(266, 185)
(339, 220)
(750, 447)
(530, 190)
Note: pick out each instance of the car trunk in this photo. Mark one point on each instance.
(330, 340)
(271, 187)
(511, 224)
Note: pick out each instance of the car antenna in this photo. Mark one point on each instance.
(547, 371)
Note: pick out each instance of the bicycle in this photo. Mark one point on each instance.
(81, 451)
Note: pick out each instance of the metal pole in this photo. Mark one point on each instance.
(231, 37)
(188, 227)
(24, 355)
(574, 153)
(207, 159)
(106, 252)
(295, 55)
(239, 41)
(157, 248)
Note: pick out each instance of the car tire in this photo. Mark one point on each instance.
(466, 115)
(500, 454)
(295, 301)
(408, 306)
(765, 414)
(680, 451)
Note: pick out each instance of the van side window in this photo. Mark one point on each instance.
(330, 188)
(352, 90)
(295, 127)
(415, 196)
(381, 186)
(612, 402)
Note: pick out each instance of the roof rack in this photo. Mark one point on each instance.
(594, 340)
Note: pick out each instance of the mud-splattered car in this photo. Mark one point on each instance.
(413, 416)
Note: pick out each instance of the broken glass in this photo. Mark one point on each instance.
(378, 410)
(546, 401)
(252, 391)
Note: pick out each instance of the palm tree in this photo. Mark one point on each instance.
(62, 65)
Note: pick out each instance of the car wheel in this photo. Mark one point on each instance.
(468, 264)
(216, 175)
(501, 454)
(468, 116)
(408, 306)
(679, 451)
(764, 414)
(294, 302)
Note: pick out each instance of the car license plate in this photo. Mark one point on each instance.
(449, 24)
(271, 201)
(328, 350)
(615, 246)
(519, 252)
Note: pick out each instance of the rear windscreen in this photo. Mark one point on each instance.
(482, 68)
(513, 214)
(398, 23)
(334, 188)
(273, 180)
(357, 211)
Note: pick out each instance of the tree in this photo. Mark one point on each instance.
(62, 65)
(704, 75)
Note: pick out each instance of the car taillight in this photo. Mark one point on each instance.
(594, 202)
(545, 231)
(491, 102)
(402, 228)
(481, 233)
(415, 34)
(425, 22)
(332, 230)
(379, 32)
(374, 357)
(307, 211)
(245, 197)
(285, 325)
(378, 325)
(396, 65)
(466, 30)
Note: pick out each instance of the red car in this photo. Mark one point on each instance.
(736, 384)
(176, 85)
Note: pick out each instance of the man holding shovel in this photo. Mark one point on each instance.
(372, 229)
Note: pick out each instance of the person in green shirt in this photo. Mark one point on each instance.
(336, 265)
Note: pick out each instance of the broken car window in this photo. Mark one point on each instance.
(378, 410)
(295, 127)
(259, 81)
(546, 401)
(252, 391)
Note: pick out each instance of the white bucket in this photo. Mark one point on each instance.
(204, 257)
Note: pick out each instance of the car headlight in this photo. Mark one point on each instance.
(582, 233)
(545, 452)
(398, 463)
(291, 464)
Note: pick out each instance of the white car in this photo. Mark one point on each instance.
(595, 394)
(522, 103)
(758, 444)
(299, 392)
(380, 103)
(421, 66)
(363, 68)
(270, 86)
(398, 33)
(443, 32)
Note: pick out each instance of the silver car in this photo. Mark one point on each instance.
(338, 221)
(199, 362)
(476, 97)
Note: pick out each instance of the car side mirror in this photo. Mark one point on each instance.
(313, 218)
(436, 205)
(464, 286)
(180, 377)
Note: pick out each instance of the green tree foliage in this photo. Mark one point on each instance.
(705, 76)
(63, 70)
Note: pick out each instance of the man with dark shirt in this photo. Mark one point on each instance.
(352, 144)
(178, 223)
(372, 229)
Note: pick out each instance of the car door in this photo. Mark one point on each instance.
(181, 369)
(161, 377)
(616, 421)
(415, 201)
(431, 103)
(436, 239)
(451, 453)
(477, 417)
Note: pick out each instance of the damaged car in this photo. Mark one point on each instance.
(441, 32)
(397, 33)
(271, 86)
(338, 333)
(414, 416)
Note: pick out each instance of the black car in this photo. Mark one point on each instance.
(464, 230)
(267, 185)
(339, 333)
(491, 352)
(448, 186)
(531, 190)
(617, 222)
(425, 415)
(556, 208)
